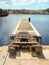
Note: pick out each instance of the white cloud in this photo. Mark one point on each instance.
(28, 2)
(23, 2)
(18, 3)
(43, 1)
(2, 3)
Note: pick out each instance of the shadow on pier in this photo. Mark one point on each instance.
(14, 55)
(18, 54)
(41, 56)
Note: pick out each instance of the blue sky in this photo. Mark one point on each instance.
(24, 4)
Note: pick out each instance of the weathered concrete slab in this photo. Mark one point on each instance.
(24, 57)
(3, 54)
(25, 26)
(28, 62)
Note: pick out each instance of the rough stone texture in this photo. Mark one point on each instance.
(24, 57)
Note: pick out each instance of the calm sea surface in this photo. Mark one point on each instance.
(8, 24)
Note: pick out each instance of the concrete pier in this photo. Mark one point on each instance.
(25, 26)
(24, 56)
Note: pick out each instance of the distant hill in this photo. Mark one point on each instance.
(25, 11)
(47, 10)
(3, 13)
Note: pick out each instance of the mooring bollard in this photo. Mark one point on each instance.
(29, 19)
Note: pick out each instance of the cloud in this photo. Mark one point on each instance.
(43, 1)
(19, 3)
(4, 0)
(23, 2)
(28, 2)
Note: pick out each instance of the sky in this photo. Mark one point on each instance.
(24, 4)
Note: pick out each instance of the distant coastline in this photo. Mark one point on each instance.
(23, 11)
(3, 13)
